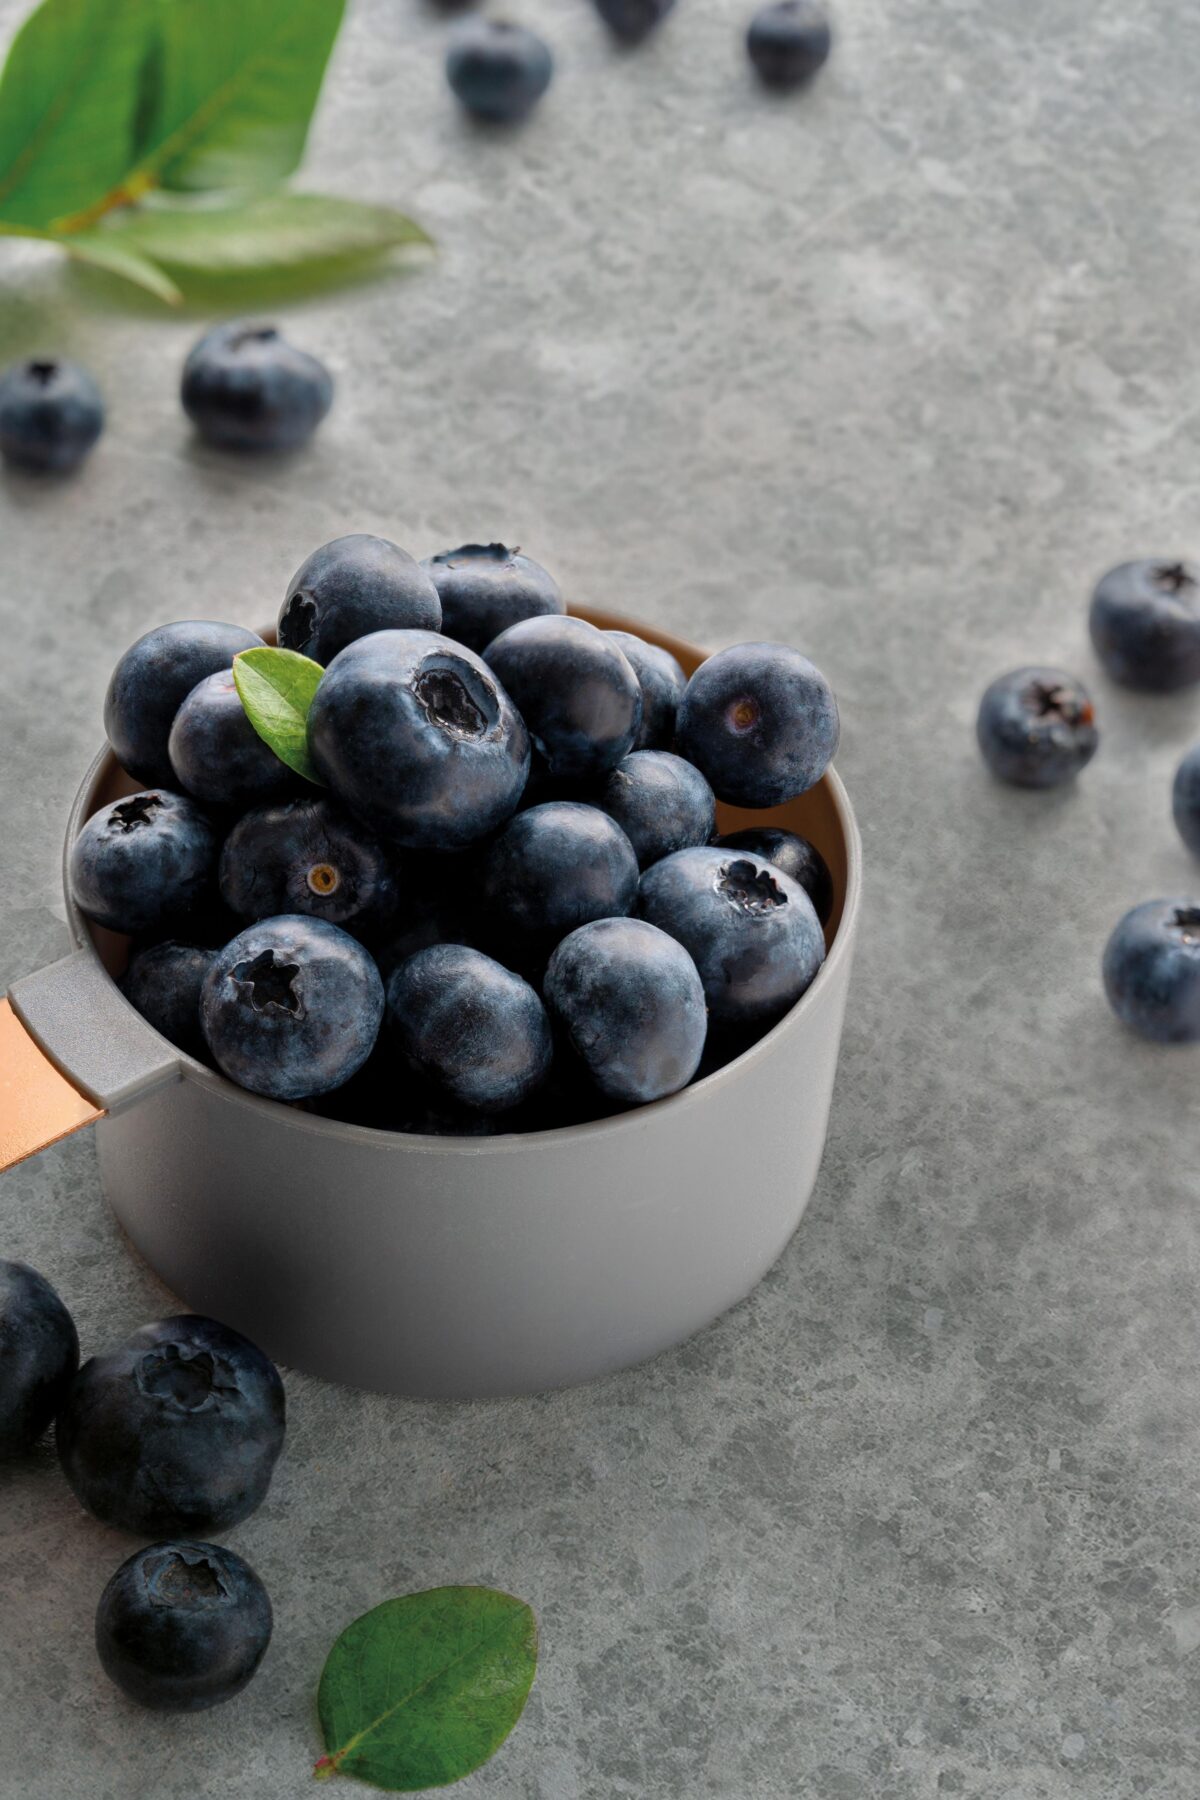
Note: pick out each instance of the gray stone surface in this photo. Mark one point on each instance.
(891, 371)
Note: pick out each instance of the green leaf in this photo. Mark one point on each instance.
(421, 1690)
(276, 689)
(104, 251)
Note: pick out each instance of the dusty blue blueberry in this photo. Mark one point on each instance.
(217, 755)
(351, 587)
(177, 1430)
(662, 682)
(751, 930)
(788, 41)
(308, 856)
(1145, 625)
(498, 71)
(291, 1007)
(183, 1626)
(760, 722)
(246, 388)
(1037, 727)
(474, 1030)
(1186, 799)
(1152, 971)
(163, 982)
(631, 1002)
(555, 867)
(51, 414)
(143, 863)
(417, 737)
(152, 681)
(788, 851)
(575, 691)
(485, 588)
(39, 1353)
(632, 20)
(660, 802)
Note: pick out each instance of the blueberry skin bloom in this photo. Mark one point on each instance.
(632, 1004)
(1152, 971)
(788, 42)
(662, 682)
(485, 588)
(632, 20)
(291, 1007)
(1145, 625)
(470, 1026)
(51, 414)
(1185, 799)
(660, 802)
(498, 71)
(177, 1430)
(555, 867)
(39, 1354)
(760, 722)
(575, 691)
(308, 856)
(217, 755)
(152, 681)
(140, 863)
(788, 851)
(182, 1626)
(417, 737)
(246, 388)
(163, 983)
(350, 587)
(750, 930)
(1037, 727)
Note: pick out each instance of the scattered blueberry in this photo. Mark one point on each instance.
(246, 388)
(632, 1005)
(163, 982)
(1186, 799)
(416, 736)
(555, 867)
(291, 1007)
(51, 414)
(472, 1028)
(662, 682)
(176, 1430)
(788, 41)
(632, 20)
(307, 856)
(1152, 971)
(485, 588)
(498, 71)
(575, 691)
(183, 1626)
(1145, 625)
(351, 587)
(152, 681)
(660, 802)
(1037, 727)
(39, 1353)
(760, 722)
(217, 755)
(788, 851)
(750, 929)
(145, 862)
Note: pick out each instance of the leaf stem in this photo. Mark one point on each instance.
(327, 1766)
(127, 194)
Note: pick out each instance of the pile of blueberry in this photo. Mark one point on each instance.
(170, 1436)
(507, 906)
(1037, 729)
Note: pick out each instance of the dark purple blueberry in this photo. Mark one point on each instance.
(1186, 799)
(1145, 625)
(152, 681)
(308, 856)
(575, 691)
(144, 863)
(760, 722)
(555, 867)
(485, 588)
(632, 20)
(660, 802)
(351, 587)
(474, 1030)
(662, 681)
(498, 71)
(39, 1353)
(1152, 971)
(217, 755)
(51, 414)
(788, 851)
(788, 41)
(1037, 727)
(246, 388)
(163, 982)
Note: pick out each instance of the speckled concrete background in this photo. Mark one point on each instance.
(892, 372)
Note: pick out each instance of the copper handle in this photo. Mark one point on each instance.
(38, 1105)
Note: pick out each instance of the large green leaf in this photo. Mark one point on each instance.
(266, 235)
(276, 688)
(104, 251)
(421, 1690)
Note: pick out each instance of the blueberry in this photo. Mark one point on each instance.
(145, 862)
(307, 856)
(163, 982)
(437, 903)
(498, 71)
(418, 738)
(1186, 799)
(1036, 727)
(152, 681)
(1152, 971)
(555, 867)
(246, 388)
(1145, 625)
(351, 587)
(51, 413)
(176, 1430)
(632, 20)
(485, 588)
(473, 1029)
(760, 722)
(750, 930)
(660, 802)
(788, 41)
(39, 1353)
(183, 1626)
(291, 1007)
(575, 691)
(662, 682)
(788, 851)
(217, 755)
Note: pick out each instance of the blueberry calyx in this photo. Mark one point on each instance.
(750, 890)
(187, 1382)
(127, 815)
(323, 879)
(253, 334)
(1186, 921)
(270, 983)
(448, 705)
(299, 619)
(1052, 700)
(1174, 578)
(41, 372)
(179, 1579)
(743, 714)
